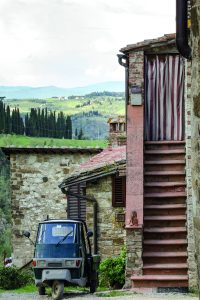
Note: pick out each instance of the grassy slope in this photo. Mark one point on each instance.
(94, 126)
(24, 141)
(106, 105)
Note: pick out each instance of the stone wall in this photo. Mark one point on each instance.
(192, 269)
(35, 194)
(110, 232)
(195, 121)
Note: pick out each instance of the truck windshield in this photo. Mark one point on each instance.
(55, 233)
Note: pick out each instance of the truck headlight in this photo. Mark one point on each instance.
(70, 263)
(41, 263)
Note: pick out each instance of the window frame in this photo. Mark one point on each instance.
(115, 201)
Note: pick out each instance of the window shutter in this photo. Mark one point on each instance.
(118, 191)
(76, 208)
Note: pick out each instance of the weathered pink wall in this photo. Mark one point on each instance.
(135, 142)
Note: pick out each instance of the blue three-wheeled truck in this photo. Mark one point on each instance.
(63, 257)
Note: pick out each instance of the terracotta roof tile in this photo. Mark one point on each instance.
(109, 160)
(167, 38)
(108, 156)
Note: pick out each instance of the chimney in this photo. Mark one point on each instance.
(117, 131)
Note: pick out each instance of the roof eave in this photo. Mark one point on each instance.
(92, 176)
(148, 46)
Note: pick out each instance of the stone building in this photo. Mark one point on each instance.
(101, 192)
(160, 242)
(35, 174)
(117, 131)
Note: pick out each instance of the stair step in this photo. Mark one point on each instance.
(165, 151)
(165, 195)
(165, 206)
(165, 242)
(165, 184)
(165, 218)
(164, 142)
(165, 229)
(160, 277)
(165, 162)
(165, 266)
(164, 173)
(165, 254)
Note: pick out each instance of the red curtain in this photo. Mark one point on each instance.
(164, 95)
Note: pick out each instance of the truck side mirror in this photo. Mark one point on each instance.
(89, 233)
(26, 234)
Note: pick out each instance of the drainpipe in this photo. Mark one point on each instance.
(123, 61)
(95, 211)
(182, 28)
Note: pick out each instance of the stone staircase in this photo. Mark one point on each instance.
(165, 234)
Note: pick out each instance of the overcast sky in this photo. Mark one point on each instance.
(74, 42)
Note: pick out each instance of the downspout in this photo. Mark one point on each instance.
(95, 211)
(123, 61)
(182, 28)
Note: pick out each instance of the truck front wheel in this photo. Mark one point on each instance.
(57, 290)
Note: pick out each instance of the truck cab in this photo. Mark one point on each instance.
(62, 256)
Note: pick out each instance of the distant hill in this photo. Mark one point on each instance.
(25, 92)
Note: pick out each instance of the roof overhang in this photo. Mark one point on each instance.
(84, 177)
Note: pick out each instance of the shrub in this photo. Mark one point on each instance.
(12, 278)
(112, 271)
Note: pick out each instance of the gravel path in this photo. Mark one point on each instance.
(81, 296)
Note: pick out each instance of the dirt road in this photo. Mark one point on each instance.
(82, 296)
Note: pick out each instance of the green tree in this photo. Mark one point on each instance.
(2, 117)
(81, 134)
(7, 120)
(68, 128)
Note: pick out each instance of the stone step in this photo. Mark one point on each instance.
(165, 195)
(166, 242)
(165, 218)
(147, 282)
(166, 266)
(165, 151)
(165, 162)
(164, 173)
(165, 206)
(165, 184)
(164, 229)
(165, 254)
(160, 277)
(164, 142)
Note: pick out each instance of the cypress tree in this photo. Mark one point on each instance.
(21, 122)
(27, 125)
(69, 127)
(62, 125)
(80, 135)
(76, 133)
(8, 120)
(42, 122)
(46, 124)
(2, 117)
(13, 121)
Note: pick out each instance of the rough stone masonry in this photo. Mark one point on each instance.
(35, 193)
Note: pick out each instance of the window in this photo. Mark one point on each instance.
(76, 207)
(118, 191)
